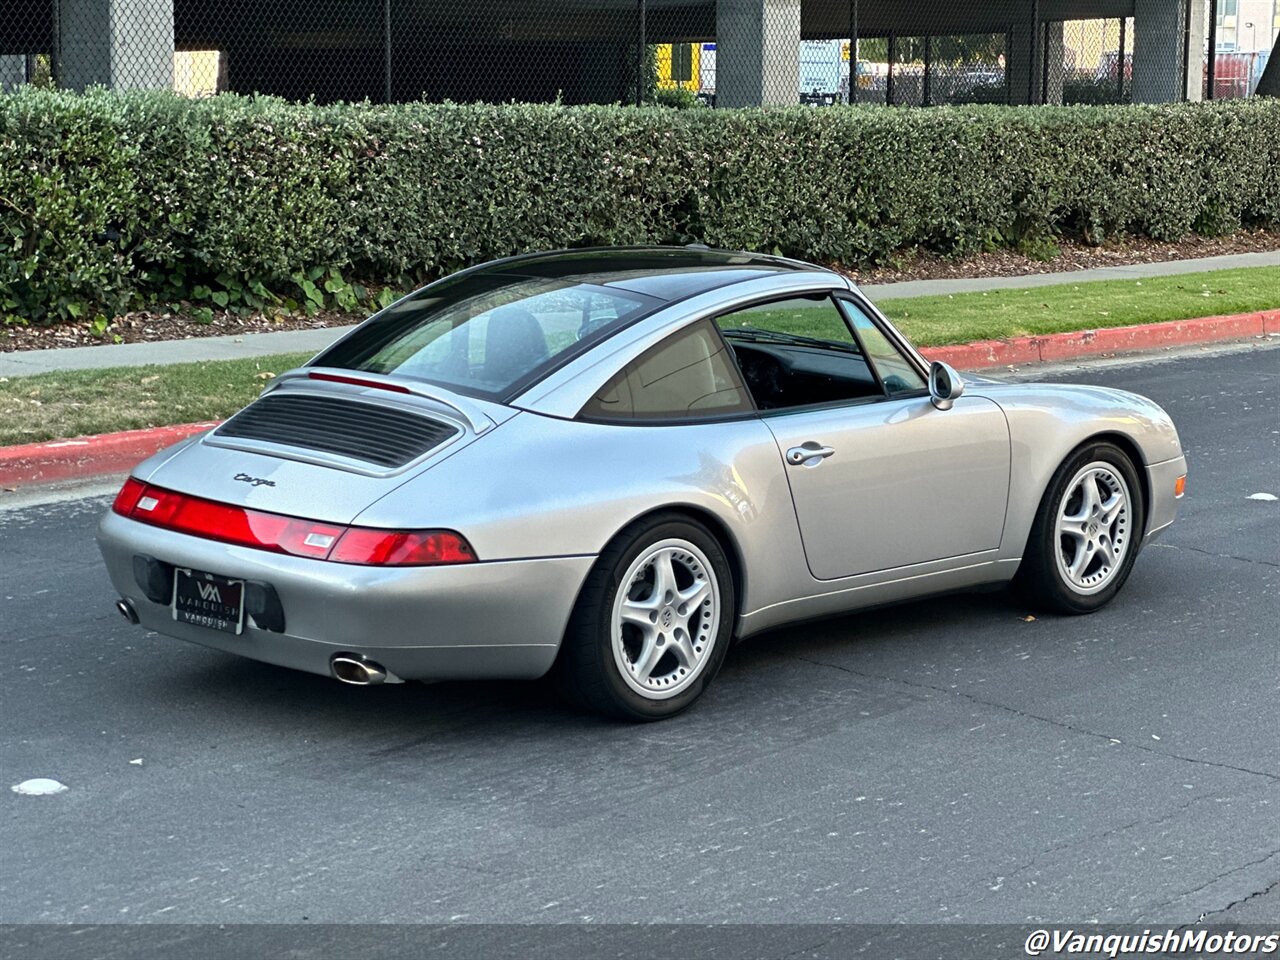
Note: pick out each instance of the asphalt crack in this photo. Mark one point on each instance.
(1014, 711)
(807, 950)
(1219, 556)
(979, 701)
(1222, 876)
(1093, 837)
(1252, 896)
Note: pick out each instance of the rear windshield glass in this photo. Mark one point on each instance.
(485, 334)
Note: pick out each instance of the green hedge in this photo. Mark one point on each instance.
(110, 201)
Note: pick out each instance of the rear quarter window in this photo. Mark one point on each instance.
(689, 376)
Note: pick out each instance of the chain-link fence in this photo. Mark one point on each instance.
(677, 52)
(1096, 62)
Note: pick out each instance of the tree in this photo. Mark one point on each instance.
(1269, 82)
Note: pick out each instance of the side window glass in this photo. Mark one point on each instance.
(798, 352)
(896, 372)
(688, 376)
(799, 319)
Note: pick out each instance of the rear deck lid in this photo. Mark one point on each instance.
(324, 445)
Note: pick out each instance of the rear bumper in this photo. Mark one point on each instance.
(1162, 509)
(481, 620)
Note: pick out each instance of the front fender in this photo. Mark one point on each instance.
(1048, 421)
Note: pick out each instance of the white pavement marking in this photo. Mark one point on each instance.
(38, 787)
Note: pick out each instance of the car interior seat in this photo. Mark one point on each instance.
(514, 344)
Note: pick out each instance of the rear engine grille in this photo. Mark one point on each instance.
(362, 431)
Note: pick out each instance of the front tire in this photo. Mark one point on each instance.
(1086, 533)
(652, 623)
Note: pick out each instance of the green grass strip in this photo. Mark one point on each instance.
(1061, 308)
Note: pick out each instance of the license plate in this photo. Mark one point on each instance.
(207, 600)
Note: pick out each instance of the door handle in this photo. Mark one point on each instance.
(808, 454)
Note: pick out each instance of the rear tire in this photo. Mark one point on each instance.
(1086, 532)
(652, 623)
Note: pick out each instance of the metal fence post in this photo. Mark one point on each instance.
(642, 61)
(1033, 38)
(55, 45)
(386, 51)
(888, 80)
(1044, 62)
(1186, 48)
(853, 51)
(926, 93)
(1212, 66)
(1008, 66)
(1120, 61)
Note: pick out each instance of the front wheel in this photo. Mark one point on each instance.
(1086, 532)
(652, 623)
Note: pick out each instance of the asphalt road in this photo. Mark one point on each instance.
(950, 760)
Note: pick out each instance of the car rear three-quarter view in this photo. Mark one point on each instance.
(609, 464)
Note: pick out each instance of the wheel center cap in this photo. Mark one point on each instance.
(668, 617)
(1093, 529)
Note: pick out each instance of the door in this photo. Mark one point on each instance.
(879, 477)
(896, 482)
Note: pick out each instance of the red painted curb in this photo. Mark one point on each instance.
(118, 452)
(84, 457)
(1081, 343)
(1063, 346)
(987, 353)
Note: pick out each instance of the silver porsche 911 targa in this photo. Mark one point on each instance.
(607, 464)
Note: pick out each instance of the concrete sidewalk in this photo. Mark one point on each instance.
(1133, 271)
(197, 349)
(194, 350)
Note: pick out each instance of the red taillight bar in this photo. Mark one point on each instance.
(281, 534)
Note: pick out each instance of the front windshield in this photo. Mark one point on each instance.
(487, 334)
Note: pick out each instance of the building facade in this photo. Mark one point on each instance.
(729, 52)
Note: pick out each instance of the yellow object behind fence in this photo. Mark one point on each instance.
(679, 65)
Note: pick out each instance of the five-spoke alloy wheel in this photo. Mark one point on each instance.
(652, 623)
(1093, 527)
(1086, 533)
(665, 619)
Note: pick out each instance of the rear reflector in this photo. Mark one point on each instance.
(128, 496)
(280, 534)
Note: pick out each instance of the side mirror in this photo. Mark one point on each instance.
(945, 385)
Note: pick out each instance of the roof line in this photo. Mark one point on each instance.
(535, 256)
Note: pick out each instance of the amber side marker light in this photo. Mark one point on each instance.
(1180, 486)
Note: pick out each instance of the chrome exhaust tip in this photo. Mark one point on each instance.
(125, 607)
(357, 671)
